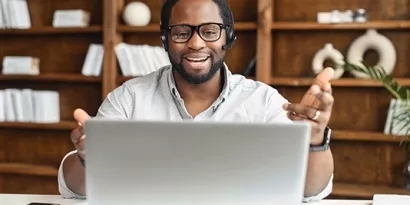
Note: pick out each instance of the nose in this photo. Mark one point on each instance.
(196, 42)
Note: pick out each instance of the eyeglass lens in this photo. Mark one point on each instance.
(208, 32)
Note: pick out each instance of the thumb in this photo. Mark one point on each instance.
(80, 116)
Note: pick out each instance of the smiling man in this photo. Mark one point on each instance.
(199, 86)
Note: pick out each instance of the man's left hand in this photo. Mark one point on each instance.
(317, 110)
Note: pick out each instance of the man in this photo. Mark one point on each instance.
(199, 86)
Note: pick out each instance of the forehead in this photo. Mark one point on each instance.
(195, 12)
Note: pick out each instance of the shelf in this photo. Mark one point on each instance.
(122, 79)
(28, 169)
(52, 30)
(366, 136)
(393, 24)
(63, 125)
(155, 27)
(60, 77)
(364, 191)
(342, 82)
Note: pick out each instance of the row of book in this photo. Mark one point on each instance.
(140, 60)
(14, 14)
(134, 60)
(27, 105)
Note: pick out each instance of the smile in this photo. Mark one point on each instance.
(202, 59)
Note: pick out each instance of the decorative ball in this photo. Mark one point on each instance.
(137, 14)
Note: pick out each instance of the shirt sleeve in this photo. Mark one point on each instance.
(65, 192)
(274, 108)
(117, 104)
(326, 192)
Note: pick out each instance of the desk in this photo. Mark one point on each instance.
(22, 199)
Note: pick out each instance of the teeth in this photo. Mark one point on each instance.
(197, 59)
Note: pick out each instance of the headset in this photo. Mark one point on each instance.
(230, 34)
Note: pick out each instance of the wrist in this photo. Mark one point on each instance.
(324, 144)
(317, 139)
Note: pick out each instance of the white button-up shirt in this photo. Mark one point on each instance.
(155, 97)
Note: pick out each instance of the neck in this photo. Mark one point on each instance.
(208, 91)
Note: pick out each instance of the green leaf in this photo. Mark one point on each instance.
(395, 89)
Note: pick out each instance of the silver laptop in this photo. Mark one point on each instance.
(195, 163)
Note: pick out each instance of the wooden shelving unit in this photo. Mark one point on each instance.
(28, 169)
(367, 162)
(380, 25)
(30, 153)
(62, 125)
(343, 82)
(365, 191)
(284, 38)
(241, 26)
(51, 30)
(58, 77)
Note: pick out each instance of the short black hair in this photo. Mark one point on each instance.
(223, 6)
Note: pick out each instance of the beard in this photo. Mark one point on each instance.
(197, 79)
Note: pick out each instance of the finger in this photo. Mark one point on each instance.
(301, 110)
(310, 96)
(327, 88)
(295, 117)
(77, 135)
(325, 101)
(80, 116)
(324, 76)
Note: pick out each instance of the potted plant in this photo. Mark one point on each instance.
(401, 94)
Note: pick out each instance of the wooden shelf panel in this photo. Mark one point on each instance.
(244, 26)
(60, 77)
(53, 30)
(341, 26)
(366, 136)
(63, 125)
(342, 82)
(122, 79)
(28, 169)
(364, 191)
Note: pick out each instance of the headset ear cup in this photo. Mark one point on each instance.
(164, 41)
(230, 39)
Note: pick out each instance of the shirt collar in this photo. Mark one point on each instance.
(225, 90)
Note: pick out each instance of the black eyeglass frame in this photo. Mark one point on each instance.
(196, 29)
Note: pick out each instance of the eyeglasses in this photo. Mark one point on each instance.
(208, 32)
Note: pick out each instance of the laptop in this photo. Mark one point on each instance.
(195, 163)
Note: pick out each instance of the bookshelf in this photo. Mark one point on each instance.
(284, 38)
(367, 161)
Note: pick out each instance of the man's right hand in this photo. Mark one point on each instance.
(77, 135)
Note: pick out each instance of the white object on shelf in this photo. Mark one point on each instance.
(71, 18)
(20, 65)
(93, 61)
(328, 52)
(335, 16)
(46, 106)
(375, 41)
(391, 199)
(137, 14)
